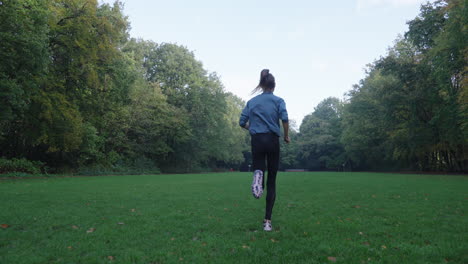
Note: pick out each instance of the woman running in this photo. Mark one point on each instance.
(261, 117)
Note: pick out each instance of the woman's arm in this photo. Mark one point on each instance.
(244, 118)
(286, 132)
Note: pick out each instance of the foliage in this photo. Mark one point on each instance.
(134, 167)
(24, 54)
(20, 166)
(319, 146)
(416, 94)
(409, 112)
(289, 152)
(211, 114)
(77, 93)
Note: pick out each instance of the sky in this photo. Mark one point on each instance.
(315, 49)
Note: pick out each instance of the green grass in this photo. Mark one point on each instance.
(213, 218)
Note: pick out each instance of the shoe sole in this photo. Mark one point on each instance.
(257, 189)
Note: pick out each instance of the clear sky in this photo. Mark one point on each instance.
(315, 49)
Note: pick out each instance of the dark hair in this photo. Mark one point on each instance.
(267, 81)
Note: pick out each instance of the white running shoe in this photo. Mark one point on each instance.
(267, 225)
(257, 189)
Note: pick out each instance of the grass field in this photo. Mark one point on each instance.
(213, 218)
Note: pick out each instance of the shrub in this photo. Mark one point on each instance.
(22, 175)
(129, 167)
(20, 166)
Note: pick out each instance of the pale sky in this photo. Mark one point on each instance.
(315, 49)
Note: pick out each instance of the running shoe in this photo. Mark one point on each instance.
(257, 188)
(267, 225)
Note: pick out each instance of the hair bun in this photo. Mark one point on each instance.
(267, 81)
(264, 73)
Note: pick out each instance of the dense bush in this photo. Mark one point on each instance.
(20, 166)
(137, 166)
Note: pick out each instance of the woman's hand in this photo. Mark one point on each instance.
(287, 139)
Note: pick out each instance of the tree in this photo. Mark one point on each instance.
(412, 103)
(365, 125)
(236, 139)
(319, 139)
(289, 152)
(201, 95)
(24, 60)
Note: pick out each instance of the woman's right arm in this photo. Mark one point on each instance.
(286, 132)
(284, 117)
(244, 118)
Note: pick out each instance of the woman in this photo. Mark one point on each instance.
(261, 117)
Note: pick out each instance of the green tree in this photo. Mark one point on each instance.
(365, 129)
(154, 124)
(235, 140)
(413, 101)
(76, 92)
(448, 59)
(289, 152)
(23, 67)
(319, 139)
(189, 87)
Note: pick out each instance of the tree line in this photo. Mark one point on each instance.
(410, 112)
(77, 93)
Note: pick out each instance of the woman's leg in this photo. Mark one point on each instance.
(258, 161)
(272, 163)
(258, 164)
(258, 152)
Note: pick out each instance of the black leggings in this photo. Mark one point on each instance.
(266, 146)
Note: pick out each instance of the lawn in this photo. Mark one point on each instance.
(319, 217)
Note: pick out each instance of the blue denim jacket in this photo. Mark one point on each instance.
(264, 112)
